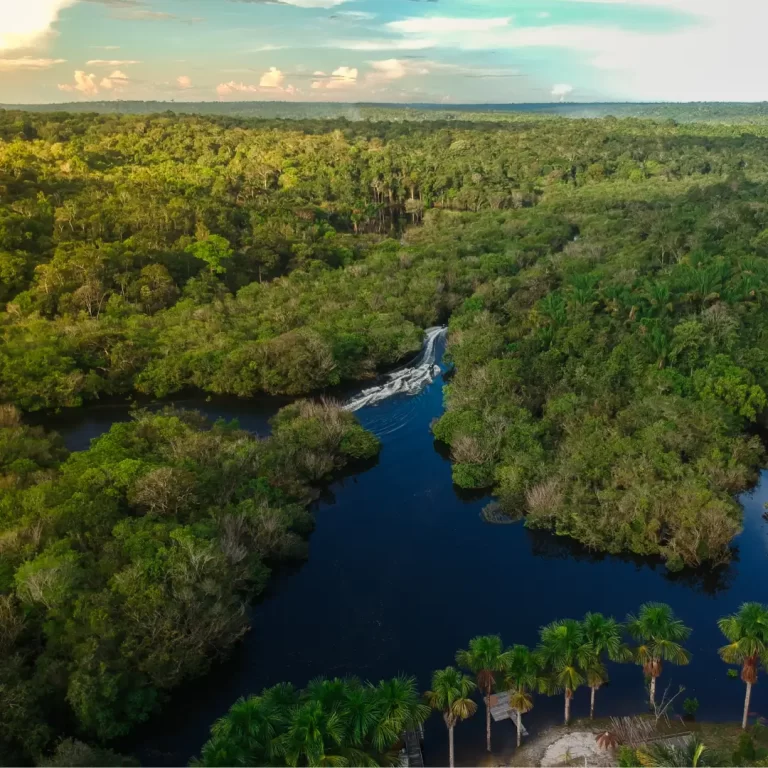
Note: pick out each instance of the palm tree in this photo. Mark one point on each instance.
(399, 708)
(318, 737)
(521, 678)
(246, 735)
(450, 694)
(565, 653)
(485, 658)
(604, 635)
(747, 633)
(691, 754)
(660, 635)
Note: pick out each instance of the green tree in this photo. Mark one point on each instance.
(522, 677)
(450, 694)
(660, 636)
(485, 658)
(398, 708)
(691, 754)
(604, 634)
(565, 655)
(215, 251)
(747, 635)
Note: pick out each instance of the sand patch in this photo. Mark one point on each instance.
(576, 748)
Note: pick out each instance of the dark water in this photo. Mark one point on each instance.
(402, 572)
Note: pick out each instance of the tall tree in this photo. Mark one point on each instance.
(521, 678)
(565, 654)
(747, 635)
(485, 657)
(399, 708)
(660, 635)
(604, 634)
(450, 694)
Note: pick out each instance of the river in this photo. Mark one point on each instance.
(403, 571)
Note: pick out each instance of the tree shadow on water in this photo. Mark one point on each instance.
(708, 580)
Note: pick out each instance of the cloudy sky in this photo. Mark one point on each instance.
(451, 51)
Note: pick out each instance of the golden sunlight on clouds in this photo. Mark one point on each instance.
(29, 23)
(273, 78)
(27, 63)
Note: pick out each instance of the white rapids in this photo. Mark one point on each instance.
(409, 380)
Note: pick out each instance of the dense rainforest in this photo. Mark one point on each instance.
(126, 568)
(603, 281)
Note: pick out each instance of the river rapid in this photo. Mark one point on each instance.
(403, 571)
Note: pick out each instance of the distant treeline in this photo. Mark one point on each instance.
(720, 112)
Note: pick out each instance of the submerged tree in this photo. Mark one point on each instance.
(486, 659)
(747, 633)
(660, 635)
(450, 694)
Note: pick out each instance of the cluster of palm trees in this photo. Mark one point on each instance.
(573, 653)
(343, 721)
(335, 722)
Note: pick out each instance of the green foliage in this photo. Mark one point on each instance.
(691, 707)
(566, 656)
(748, 752)
(70, 752)
(214, 250)
(340, 722)
(450, 694)
(691, 753)
(130, 564)
(628, 758)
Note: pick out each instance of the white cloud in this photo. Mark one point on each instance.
(90, 85)
(384, 45)
(27, 23)
(717, 54)
(561, 90)
(84, 83)
(357, 15)
(389, 69)
(543, 15)
(184, 82)
(269, 83)
(314, 3)
(115, 81)
(341, 77)
(272, 78)
(437, 25)
(225, 89)
(110, 62)
(28, 63)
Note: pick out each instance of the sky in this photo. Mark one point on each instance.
(422, 51)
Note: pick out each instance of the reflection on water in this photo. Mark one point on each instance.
(402, 572)
(707, 580)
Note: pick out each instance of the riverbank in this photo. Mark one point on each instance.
(576, 744)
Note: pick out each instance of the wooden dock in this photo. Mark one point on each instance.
(501, 710)
(411, 755)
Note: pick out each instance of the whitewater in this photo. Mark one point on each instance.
(410, 380)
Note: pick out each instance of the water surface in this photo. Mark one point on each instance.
(402, 572)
